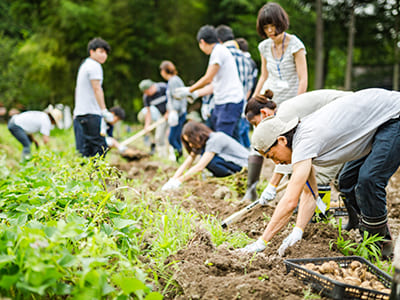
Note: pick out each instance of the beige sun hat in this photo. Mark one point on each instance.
(56, 114)
(267, 132)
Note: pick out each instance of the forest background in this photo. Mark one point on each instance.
(351, 44)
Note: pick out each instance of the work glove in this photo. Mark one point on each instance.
(268, 194)
(292, 239)
(257, 246)
(103, 127)
(173, 118)
(181, 92)
(109, 117)
(192, 96)
(205, 111)
(171, 184)
(122, 148)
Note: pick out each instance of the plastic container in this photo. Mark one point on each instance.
(333, 288)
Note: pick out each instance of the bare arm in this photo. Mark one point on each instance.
(288, 203)
(203, 162)
(46, 139)
(301, 67)
(185, 165)
(98, 93)
(307, 202)
(263, 76)
(212, 70)
(147, 118)
(207, 90)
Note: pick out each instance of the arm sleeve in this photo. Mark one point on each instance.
(95, 72)
(297, 45)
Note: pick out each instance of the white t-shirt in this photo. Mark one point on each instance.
(85, 100)
(283, 81)
(33, 121)
(227, 148)
(226, 83)
(307, 103)
(343, 130)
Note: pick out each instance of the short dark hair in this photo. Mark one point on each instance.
(243, 45)
(272, 14)
(197, 134)
(258, 102)
(208, 34)
(168, 67)
(98, 43)
(119, 112)
(224, 33)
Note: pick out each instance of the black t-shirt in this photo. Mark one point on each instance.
(159, 99)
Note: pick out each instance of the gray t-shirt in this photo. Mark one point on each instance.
(307, 103)
(227, 148)
(85, 100)
(175, 104)
(343, 130)
(33, 121)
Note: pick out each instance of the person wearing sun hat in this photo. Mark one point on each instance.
(362, 129)
(22, 126)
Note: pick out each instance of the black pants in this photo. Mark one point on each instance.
(93, 142)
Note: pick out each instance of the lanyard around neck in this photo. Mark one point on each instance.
(278, 61)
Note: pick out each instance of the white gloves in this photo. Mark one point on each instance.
(122, 148)
(205, 111)
(109, 117)
(181, 92)
(257, 246)
(173, 118)
(268, 194)
(103, 127)
(192, 96)
(171, 184)
(292, 239)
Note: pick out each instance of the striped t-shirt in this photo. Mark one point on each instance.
(282, 75)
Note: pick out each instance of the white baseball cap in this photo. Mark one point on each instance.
(268, 131)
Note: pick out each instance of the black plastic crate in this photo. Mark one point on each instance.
(333, 288)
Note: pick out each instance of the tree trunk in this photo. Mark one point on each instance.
(396, 49)
(350, 47)
(319, 47)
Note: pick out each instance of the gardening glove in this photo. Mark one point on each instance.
(292, 239)
(205, 111)
(122, 148)
(268, 194)
(173, 118)
(103, 127)
(181, 92)
(109, 117)
(257, 246)
(172, 184)
(192, 96)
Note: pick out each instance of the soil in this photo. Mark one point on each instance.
(205, 271)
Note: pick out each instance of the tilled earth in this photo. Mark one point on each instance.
(207, 272)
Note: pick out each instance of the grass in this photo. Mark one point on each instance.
(77, 228)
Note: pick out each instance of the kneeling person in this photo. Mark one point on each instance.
(220, 154)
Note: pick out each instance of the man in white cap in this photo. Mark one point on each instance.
(22, 126)
(362, 129)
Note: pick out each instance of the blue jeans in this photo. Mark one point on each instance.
(174, 137)
(241, 133)
(363, 181)
(225, 117)
(93, 142)
(21, 136)
(221, 168)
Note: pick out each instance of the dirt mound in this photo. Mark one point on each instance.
(204, 272)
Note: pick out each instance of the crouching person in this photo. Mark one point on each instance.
(220, 154)
(22, 126)
(363, 128)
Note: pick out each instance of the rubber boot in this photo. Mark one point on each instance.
(380, 227)
(353, 222)
(253, 176)
(152, 148)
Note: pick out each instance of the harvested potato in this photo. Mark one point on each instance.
(365, 284)
(326, 267)
(360, 272)
(352, 280)
(355, 264)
